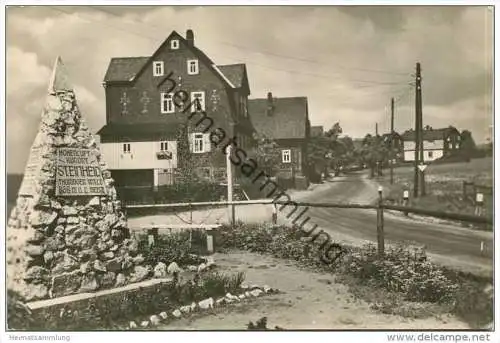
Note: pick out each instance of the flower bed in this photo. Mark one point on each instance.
(117, 311)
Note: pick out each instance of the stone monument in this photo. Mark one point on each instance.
(67, 232)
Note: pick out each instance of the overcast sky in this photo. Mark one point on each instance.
(348, 61)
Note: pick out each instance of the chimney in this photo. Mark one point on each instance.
(270, 104)
(190, 37)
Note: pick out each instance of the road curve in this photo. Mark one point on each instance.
(458, 245)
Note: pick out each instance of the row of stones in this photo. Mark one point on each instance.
(204, 305)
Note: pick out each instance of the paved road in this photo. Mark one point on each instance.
(456, 246)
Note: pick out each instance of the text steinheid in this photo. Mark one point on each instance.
(78, 171)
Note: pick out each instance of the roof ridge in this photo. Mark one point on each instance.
(232, 64)
(284, 97)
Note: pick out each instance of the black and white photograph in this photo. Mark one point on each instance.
(246, 167)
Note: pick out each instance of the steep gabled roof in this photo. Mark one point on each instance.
(128, 69)
(124, 68)
(288, 119)
(235, 73)
(430, 134)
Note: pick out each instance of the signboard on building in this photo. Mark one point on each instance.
(78, 173)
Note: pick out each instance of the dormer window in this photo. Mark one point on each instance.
(158, 68)
(174, 44)
(192, 67)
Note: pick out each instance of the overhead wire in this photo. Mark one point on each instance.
(328, 76)
(271, 53)
(382, 87)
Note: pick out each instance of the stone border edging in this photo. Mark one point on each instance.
(250, 292)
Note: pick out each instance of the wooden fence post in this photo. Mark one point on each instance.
(190, 222)
(210, 241)
(152, 236)
(275, 214)
(406, 200)
(479, 202)
(380, 224)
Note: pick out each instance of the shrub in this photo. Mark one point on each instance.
(404, 269)
(170, 248)
(473, 304)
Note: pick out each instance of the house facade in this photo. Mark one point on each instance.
(157, 109)
(437, 143)
(286, 122)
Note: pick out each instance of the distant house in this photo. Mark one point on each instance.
(285, 121)
(317, 131)
(437, 143)
(145, 124)
(396, 141)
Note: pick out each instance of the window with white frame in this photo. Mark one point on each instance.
(158, 68)
(174, 44)
(429, 154)
(126, 148)
(198, 143)
(167, 103)
(192, 67)
(286, 156)
(197, 101)
(163, 146)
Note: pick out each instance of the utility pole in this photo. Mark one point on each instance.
(421, 131)
(376, 129)
(229, 172)
(418, 113)
(392, 142)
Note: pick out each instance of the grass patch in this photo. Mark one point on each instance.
(444, 187)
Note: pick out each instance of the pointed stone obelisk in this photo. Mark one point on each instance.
(67, 233)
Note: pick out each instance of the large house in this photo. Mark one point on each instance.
(152, 108)
(285, 121)
(437, 143)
